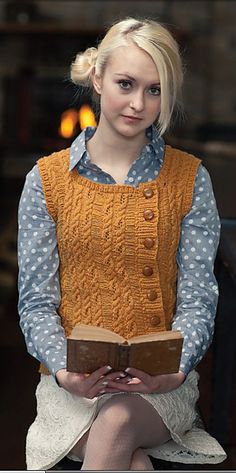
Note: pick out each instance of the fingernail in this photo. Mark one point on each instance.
(102, 391)
(105, 383)
(127, 370)
(109, 368)
(122, 375)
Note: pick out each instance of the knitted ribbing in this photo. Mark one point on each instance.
(101, 234)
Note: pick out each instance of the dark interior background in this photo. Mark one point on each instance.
(38, 41)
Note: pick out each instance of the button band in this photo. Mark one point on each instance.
(152, 295)
(148, 243)
(147, 270)
(148, 192)
(148, 214)
(155, 321)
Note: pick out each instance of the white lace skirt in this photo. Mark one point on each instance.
(63, 418)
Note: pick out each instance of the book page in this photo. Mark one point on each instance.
(164, 335)
(91, 332)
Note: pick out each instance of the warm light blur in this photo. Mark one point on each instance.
(69, 120)
(86, 117)
(71, 117)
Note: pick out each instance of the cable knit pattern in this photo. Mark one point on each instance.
(176, 200)
(101, 231)
(63, 418)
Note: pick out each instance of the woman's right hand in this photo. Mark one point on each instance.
(92, 385)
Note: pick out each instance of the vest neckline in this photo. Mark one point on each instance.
(125, 188)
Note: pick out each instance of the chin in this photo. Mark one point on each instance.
(130, 133)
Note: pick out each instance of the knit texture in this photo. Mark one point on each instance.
(102, 232)
(63, 418)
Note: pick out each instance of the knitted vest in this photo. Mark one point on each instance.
(117, 244)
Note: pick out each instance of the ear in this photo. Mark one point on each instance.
(97, 83)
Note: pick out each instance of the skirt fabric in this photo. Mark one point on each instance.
(62, 419)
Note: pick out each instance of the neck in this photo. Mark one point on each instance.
(107, 145)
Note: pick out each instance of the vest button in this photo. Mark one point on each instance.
(152, 295)
(148, 214)
(148, 243)
(147, 271)
(148, 192)
(155, 321)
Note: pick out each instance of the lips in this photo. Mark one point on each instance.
(131, 117)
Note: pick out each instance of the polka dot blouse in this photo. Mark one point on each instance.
(39, 285)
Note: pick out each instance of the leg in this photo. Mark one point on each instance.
(79, 449)
(124, 424)
(140, 461)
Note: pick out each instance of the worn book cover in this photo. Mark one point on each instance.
(90, 348)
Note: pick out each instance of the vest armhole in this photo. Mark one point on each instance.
(47, 189)
(189, 185)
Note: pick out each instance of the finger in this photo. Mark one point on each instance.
(140, 387)
(125, 380)
(99, 387)
(96, 375)
(135, 381)
(109, 391)
(116, 375)
(134, 372)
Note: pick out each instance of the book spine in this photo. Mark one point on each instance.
(123, 351)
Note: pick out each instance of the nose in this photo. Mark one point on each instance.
(137, 101)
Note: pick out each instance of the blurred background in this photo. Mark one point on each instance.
(41, 111)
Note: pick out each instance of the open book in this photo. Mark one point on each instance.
(90, 347)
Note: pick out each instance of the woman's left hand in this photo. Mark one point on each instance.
(145, 383)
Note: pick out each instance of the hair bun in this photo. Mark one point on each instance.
(91, 56)
(83, 65)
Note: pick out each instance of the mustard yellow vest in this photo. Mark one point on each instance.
(117, 244)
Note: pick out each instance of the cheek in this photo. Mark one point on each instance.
(112, 101)
(155, 107)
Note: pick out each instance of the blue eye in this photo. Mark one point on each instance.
(125, 84)
(155, 91)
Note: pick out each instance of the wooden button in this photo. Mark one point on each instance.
(148, 214)
(147, 271)
(155, 321)
(148, 192)
(152, 295)
(148, 243)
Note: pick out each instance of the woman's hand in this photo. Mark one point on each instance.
(144, 383)
(92, 385)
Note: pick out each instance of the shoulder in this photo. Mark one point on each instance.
(57, 158)
(182, 168)
(175, 154)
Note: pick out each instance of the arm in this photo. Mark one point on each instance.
(39, 290)
(39, 293)
(197, 290)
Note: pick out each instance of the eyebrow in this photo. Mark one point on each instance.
(132, 78)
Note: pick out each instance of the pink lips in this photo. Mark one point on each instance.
(131, 118)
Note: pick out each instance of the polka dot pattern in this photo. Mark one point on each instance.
(39, 288)
(197, 289)
(143, 169)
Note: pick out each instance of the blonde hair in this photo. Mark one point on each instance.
(153, 38)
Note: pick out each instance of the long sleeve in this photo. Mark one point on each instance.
(39, 289)
(197, 289)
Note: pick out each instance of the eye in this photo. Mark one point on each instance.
(125, 84)
(155, 91)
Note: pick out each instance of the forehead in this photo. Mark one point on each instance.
(134, 61)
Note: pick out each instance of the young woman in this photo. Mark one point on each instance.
(119, 231)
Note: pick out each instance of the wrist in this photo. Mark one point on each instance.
(181, 377)
(60, 376)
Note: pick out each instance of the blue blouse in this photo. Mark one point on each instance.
(39, 285)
